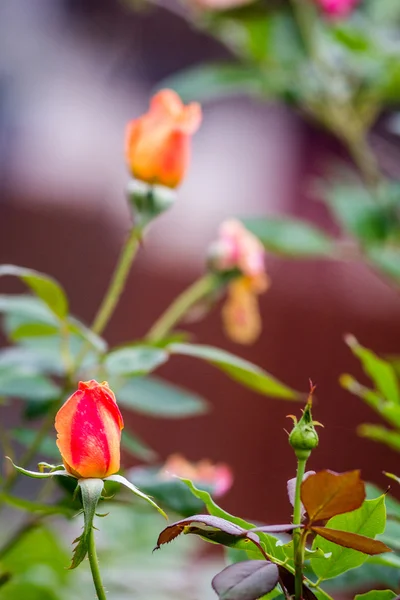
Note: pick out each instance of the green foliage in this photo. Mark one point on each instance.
(43, 286)
(269, 542)
(37, 567)
(134, 360)
(156, 397)
(376, 595)
(384, 398)
(368, 520)
(289, 237)
(211, 81)
(238, 369)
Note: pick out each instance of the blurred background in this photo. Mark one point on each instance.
(72, 74)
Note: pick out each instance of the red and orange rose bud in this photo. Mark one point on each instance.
(239, 251)
(158, 143)
(88, 429)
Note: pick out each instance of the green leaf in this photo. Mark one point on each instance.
(268, 541)
(44, 354)
(172, 493)
(357, 210)
(135, 446)
(238, 369)
(380, 371)
(388, 410)
(216, 80)
(290, 237)
(138, 360)
(37, 564)
(392, 505)
(32, 330)
(26, 309)
(368, 520)
(91, 490)
(155, 397)
(378, 433)
(376, 595)
(25, 384)
(386, 259)
(43, 286)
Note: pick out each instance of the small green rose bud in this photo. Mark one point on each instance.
(303, 438)
(148, 201)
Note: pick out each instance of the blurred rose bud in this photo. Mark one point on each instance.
(237, 249)
(158, 143)
(88, 429)
(337, 8)
(218, 476)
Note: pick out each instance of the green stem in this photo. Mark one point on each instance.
(118, 280)
(364, 158)
(94, 567)
(298, 541)
(114, 290)
(180, 306)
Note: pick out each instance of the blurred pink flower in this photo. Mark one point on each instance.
(218, 476)
(238, 249)
(338, 8)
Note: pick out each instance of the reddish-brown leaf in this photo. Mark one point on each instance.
(352, 540)
(327, 494)
(207, 526)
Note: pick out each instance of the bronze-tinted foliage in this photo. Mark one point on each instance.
(327, 494)
(352, 540)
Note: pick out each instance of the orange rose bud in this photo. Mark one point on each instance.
(88, 429)
(158, 143)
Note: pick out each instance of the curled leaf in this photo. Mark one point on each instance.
(209, 527)
(327, 494)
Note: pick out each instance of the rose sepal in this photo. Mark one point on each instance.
(148, 201)
(120, 479)
(91, 490)
(55, 470)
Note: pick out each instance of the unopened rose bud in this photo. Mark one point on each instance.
(303, 438)
(88, 429)
(158, 143)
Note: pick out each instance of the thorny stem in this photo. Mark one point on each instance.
(298, 537)
(94, 567)
(180, 306)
